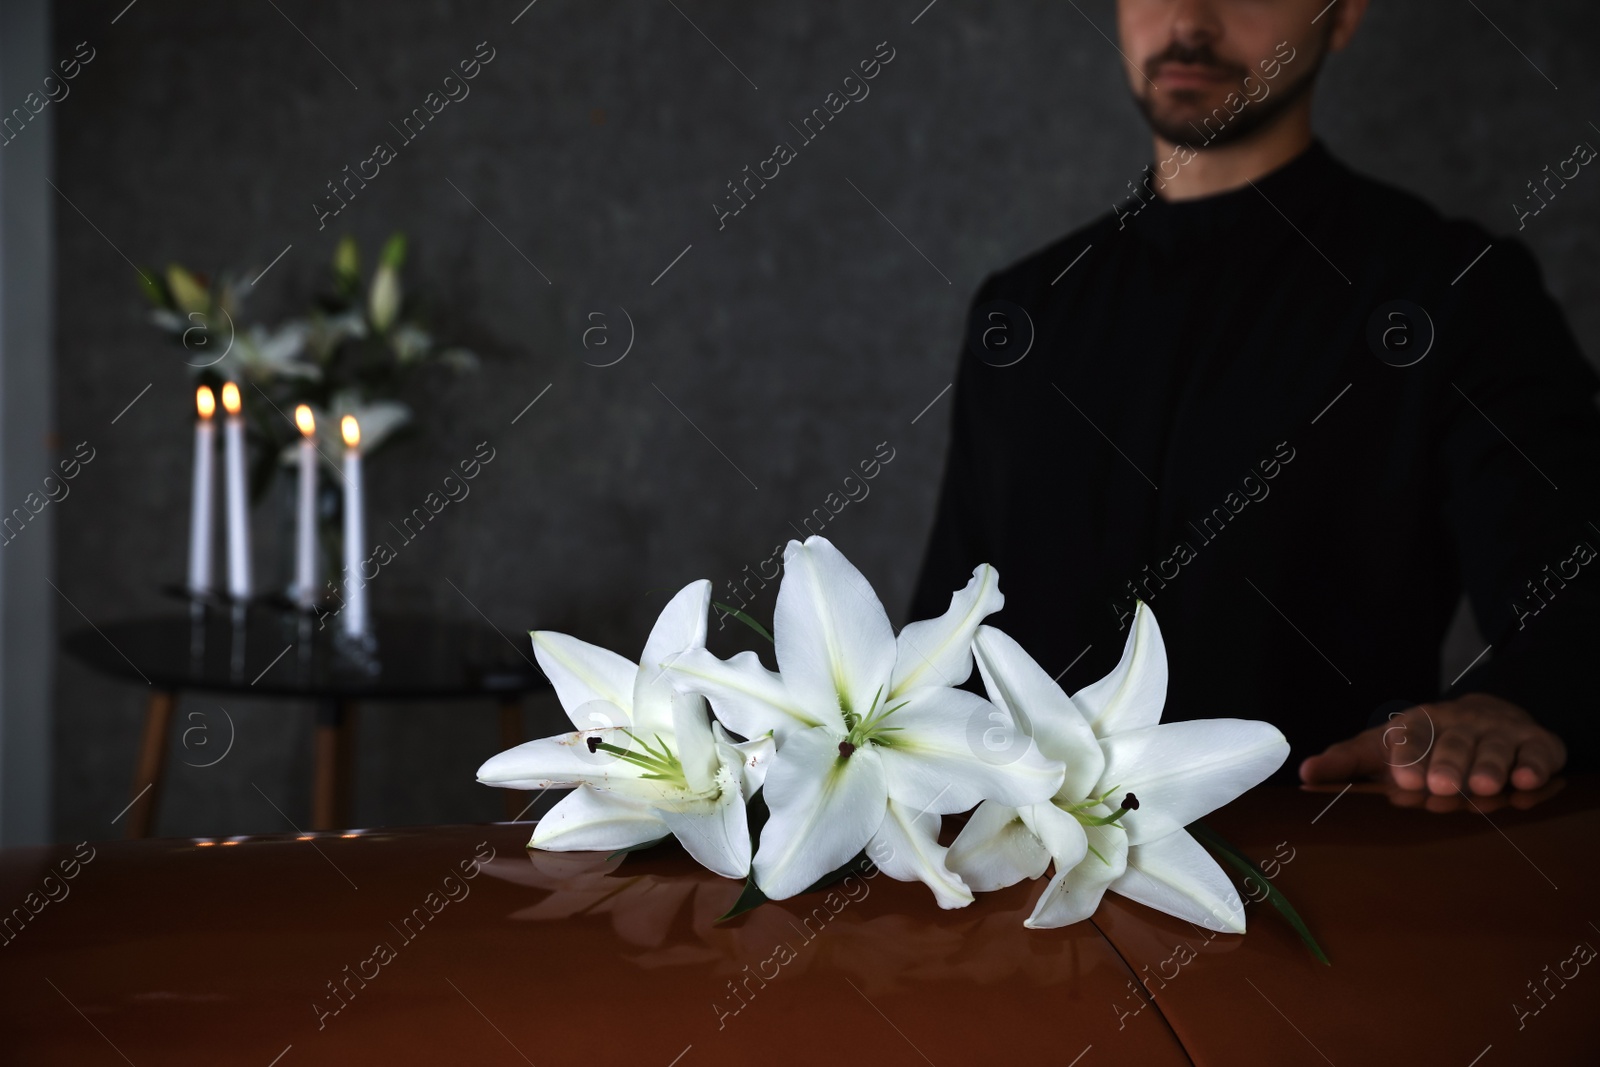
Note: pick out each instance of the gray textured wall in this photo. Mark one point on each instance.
(796, 339)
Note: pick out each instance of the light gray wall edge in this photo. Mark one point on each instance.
(27, 406)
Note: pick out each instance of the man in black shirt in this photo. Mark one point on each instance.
(1299, 414)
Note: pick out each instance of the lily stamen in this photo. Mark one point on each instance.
(660, 765)
(1129, 803)
(871, 728)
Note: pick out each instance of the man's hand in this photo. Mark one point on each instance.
(1474, 742)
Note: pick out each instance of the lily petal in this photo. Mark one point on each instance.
(1075, 892)
(1181, 771)
(681, 625)
(939, 755)
(715, 832)
(1016, 683)
(906, 848)
(1135, 691)
(835, 647)
(995, 849)
(825, 808)
(565, 760)
(753, 757)
(1061, 834)
(588, 820)
(939, 651)
(748, 699)
(581, 673)
(691, 735)
(1175, 874)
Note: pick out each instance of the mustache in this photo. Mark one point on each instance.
(1194, 56)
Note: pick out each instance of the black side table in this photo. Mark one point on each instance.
(280, 654)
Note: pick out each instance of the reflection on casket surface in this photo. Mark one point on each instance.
(378, 945)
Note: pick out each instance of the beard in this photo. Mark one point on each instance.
(1179, 116)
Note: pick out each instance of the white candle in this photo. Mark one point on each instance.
(355, 532)
(305, 527)
(238, 496)
(201, 506)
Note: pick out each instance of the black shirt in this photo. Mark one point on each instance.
(1212, 416)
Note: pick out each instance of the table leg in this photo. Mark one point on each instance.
(333, 749)
(151, 768)
(511, 737)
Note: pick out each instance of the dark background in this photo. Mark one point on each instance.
(797, 339)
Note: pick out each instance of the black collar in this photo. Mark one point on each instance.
(1293, 191)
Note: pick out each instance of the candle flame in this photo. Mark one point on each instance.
(351, 429)
(230, 398)
(205, 401)
(304, 419)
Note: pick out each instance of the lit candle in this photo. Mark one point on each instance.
(200, 503)
(305, 528)
(238, 496)
(355, 531)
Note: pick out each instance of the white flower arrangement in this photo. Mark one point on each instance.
(861, 742)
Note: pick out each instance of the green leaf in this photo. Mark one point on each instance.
(1242, 863)
(188, 292)
(153, 287)
(729, 609)
(347, 267)
(394, 251)
(750, 899)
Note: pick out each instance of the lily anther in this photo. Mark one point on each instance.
(657, 763)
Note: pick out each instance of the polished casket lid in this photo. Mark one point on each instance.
(1453, 934)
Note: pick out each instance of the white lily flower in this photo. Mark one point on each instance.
(874, 743)
(410, 342)
(1132, 785)
(383, 299)
(646, 760)
(266, 355)
(328, 332)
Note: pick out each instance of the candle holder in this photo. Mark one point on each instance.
(220, 599)
(358, 652)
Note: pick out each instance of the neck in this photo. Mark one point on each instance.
(1230, 166)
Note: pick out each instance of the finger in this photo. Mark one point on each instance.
(1344, 760)
(1491, 763)
(1538, 758)
(1449, 760)
(1523, 799)
(1407, 741)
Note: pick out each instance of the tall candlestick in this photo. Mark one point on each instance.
(305, 528)
(238, 495)
(355, 531)
(200, 501)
